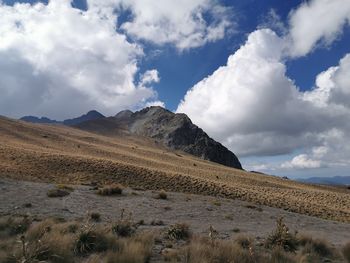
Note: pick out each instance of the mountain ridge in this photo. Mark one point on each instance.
(174, 130)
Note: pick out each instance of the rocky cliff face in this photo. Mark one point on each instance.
(177, 131)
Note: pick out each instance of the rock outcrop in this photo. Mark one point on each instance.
(177, 131)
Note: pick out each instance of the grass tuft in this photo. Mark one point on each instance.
(180, 231)
(282, 238)
(115, 189)
(57, 193)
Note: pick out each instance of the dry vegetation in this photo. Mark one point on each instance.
(65, 155)
(58, 241)
(114, 189)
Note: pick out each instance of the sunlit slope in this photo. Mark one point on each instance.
(54, 153)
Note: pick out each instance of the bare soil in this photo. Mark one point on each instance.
(228, 216)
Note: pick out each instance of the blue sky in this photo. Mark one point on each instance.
(121, 54)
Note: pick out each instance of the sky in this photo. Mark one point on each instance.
(268, 79)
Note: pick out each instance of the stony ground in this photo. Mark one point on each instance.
(227, 216)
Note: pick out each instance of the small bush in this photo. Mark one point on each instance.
(124, 228)
(57, 193)
(162, 195)
(236, 230)
(318, 247)
(14, 225)
(282, 238)
(65, 187)
(115, 189)
(216, 202)
(96, 217)
(179, 231)
(137, 249)
(346, 252)
(91, 240)
(244, 241)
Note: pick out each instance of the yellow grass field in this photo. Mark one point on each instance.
(59, 154)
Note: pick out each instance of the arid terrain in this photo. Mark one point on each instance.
(59, 185)
(59, 154)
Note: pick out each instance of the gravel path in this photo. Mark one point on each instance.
(225, 215)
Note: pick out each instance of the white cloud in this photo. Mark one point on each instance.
(301, 162)
(59, 61)
(317, 22)
(150, 76)
(251, 106)
(182, 23)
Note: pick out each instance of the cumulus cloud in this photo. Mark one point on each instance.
(251, 106)
(185, 24)
(317, 22)
(59, 61)
(150, 76)
(301, 161)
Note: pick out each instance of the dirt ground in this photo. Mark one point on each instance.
(229, 217)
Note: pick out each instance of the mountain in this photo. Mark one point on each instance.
(336, 180)
(175, 131)
(91, 115)
(34, 119)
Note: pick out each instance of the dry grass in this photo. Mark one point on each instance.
(319, 247)
(96, 217)
(346, 252)
(139, 162)
(54, 241)
(180, 231)
(282, 238)
(202, 250)
(114, 189)
(57, 193)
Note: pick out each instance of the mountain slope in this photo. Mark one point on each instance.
(61, 154)
(175, 131)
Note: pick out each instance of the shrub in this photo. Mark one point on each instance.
(162, 195)
(236, 230)
(14, 225)
(346, 252)
(91, 240)
(282, 238)
(137, 249)
(124, 228)
(317, 247)
(57, 193)
(179, 231)
(244, 241)
(96, 217)
(115, 189)
(52, 247)
(65, 187)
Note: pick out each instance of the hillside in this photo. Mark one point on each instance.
(173, 130)
(54, 153)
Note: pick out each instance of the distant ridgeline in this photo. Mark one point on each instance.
(175, 131)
